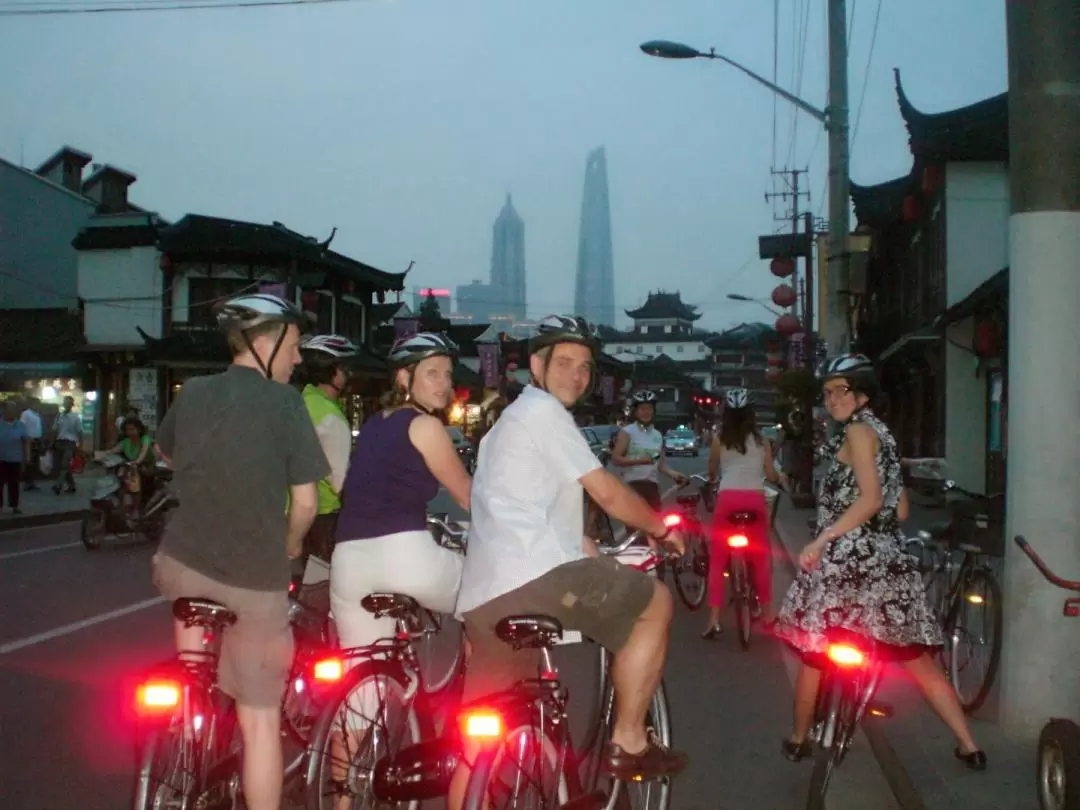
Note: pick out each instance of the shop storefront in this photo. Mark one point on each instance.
(51, 383)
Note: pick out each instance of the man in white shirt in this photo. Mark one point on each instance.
(68, 429)
(528, 552)
(31, 420)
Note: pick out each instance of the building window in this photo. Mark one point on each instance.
(325, 313)
(204, 293)
(350, 321)
(667, 329)
(701, 349)
(659, 349)
(679, 348)
(640, 349)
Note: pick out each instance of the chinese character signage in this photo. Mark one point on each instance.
(143, 395)
(489, 363)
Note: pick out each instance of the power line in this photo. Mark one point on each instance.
(866, 76)
(149, 5)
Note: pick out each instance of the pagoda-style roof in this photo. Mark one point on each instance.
(745, 335)
(661, 305)
(213, 238)
(979, 131)
(40, 335)
(881, 204)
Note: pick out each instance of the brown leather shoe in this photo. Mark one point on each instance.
(654, 762)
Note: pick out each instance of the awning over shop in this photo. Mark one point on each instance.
(913, 339)
(991, 291)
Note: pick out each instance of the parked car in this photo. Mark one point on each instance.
(681, 442)
(606, 434)
(465, 450)
(597, 445)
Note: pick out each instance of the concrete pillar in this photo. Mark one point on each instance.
(1041, 658)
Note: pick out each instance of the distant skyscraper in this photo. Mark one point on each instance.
(594, 295)
(508, 262)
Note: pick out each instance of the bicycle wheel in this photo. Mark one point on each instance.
(370, 716)
(524, 770)
(654, 795)
(741, 598)
(691, 571)
(974, 640)
(834, 736)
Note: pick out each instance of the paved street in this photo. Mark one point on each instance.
(78, 626)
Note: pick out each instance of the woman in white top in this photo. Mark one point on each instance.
(743, 459)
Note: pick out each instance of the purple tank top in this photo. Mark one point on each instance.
(388, 485)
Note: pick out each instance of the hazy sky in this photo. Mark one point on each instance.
(405, 123)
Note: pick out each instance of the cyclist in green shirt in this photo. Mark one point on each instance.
(325, 370)
(138, 448)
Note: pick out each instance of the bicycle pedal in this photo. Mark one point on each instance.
(880, 710)
(597, 800)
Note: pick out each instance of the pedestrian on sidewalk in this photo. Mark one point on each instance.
(14, 449)
(743, 459)
(856, 574)
(31, 420)
(68, 432)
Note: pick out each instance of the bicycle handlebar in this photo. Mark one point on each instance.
(952, 486)
(1065, 584)
(451, 530)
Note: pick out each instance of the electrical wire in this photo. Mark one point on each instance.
(866, 76)
(53, 7)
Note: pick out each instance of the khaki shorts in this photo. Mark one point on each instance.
(257, 651)
(597, 596)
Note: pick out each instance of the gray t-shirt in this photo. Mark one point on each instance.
(237, 442)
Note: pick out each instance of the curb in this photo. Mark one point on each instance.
(8, 524)
(896, 775)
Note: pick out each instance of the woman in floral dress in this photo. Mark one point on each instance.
(856, 574)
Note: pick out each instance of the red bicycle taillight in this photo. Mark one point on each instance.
(156, 696)
(481, 724)
(738, 541)
(328, 670)
(673, 520)
(845, 655)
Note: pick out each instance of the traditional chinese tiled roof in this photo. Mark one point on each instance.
(664, 305)
(979, 131)
(881, 204)
(40, 335)
(753, 335)
(201, 236)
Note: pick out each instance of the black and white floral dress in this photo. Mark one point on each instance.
(866, 582)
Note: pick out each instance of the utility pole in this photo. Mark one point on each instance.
(837, 273)
(1041, 647)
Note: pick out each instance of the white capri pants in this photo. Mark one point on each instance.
(411, 563)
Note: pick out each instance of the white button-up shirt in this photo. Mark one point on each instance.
(527, 505)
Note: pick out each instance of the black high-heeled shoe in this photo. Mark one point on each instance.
(796, 751)
(714, 632)
(975, 761)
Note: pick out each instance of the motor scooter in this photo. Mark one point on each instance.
(117, 504)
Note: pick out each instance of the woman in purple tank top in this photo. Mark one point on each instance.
(402, 455)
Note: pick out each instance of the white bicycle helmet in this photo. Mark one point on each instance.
(248, 311)
(555, 329)
(328, 347)
(643, 397)
(849, 366)
(409, 351)
(737, 398)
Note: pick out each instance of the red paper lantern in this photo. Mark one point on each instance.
(772, 373)
(310, 300)
(931, 179)
(910, 210)
(782, 266)
(774, 359)
(164, 262)
(987, 339)
(461, 393)
(788, 324)
(784, 295)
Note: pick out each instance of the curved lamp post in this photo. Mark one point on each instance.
(748, 300)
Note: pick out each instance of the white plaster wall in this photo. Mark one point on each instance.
(122, 290)
(965, 410)
(977, 225)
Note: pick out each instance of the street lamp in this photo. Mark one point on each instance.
(835, 120)
(748, 300)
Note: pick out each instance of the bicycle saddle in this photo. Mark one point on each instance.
(532, 631)
(394, 605)
(202, 613)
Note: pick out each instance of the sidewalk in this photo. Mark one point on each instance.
(914, 747)
(42, 506)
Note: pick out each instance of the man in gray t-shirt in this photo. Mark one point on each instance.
(246, 462)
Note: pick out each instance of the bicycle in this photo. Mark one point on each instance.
(691, 570)
(506, 719)
(189, 724)
(849, 679)
(1058, 764)
(366, 685)
(958, 591)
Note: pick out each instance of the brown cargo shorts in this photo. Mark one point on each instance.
(257, 651)
(597, 596)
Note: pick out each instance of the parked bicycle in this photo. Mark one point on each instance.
(527, 727)
(384, 696)
(1059, 742)
(955, 559)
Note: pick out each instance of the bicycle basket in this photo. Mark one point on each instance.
(980, 523)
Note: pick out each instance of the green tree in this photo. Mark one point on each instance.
(429, 308)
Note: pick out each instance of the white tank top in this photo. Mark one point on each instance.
(644, 443)
(743, 470)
